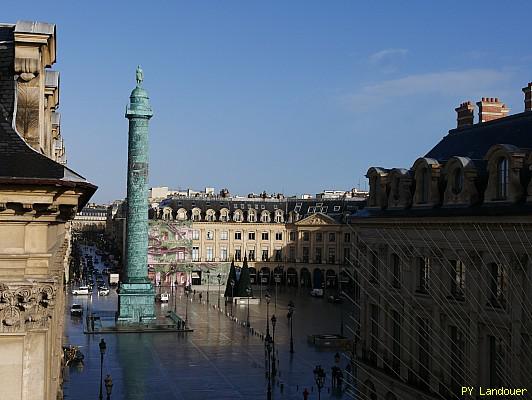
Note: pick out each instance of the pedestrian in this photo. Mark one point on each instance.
(200, 296)
(305, 394)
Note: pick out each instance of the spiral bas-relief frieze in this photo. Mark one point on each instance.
(26, 307)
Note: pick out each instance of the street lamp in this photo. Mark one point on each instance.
(208, 276)
(248, 291)
(108, 386)
(103, 347)
(268, 344)
(290, 317)
(274, 320)
(319, 378)
(175, 296)
(232, 295)
(268, 298)
(219, 283)
(186, 308)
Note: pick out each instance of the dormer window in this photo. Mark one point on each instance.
(458, 180)
(424, 186)
(502, 178)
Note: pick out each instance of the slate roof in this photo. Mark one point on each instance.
(474, 141)
(19, 163)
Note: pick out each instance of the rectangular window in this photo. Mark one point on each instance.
(223, 253)
(306, 236)
(497, 283)
(278, 255)
(210, 235)
(238, 255)
(279, 236)
(332, 237)
(319, 237)
(374, 334)
(251, 254)
(423, 353)
(318, 255)
(496, 361)
(292, 236)
(347, 255)
(373, 267)
(396, 345)
(195, 234)
(396, 271)
(251, 235)
(223, 235)
(423, 274)
(347, 237)
(457, 278)
(305, 254)
(265, 235)
(195, 253)
(238, 235)
(210, 256)
(264, 256)
(332, 255)
(180, 255)
(292, 254)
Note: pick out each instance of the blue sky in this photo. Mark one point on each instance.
(282, 96)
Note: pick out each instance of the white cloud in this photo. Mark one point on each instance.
(462, 84)
(386, 55)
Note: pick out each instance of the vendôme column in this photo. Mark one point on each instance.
(136, 294)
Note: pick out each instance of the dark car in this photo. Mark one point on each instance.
(76, 309)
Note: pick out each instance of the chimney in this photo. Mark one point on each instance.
(528, 97)
(490, 108)
(465, 114)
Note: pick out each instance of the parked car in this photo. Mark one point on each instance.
(103, 291)
(81, 290)
(316, 292)
(163, 297)
(76, 309)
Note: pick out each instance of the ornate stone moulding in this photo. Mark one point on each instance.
(26, 306)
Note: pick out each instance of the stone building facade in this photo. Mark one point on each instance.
(288, 241)
(443, 264)
(39, 196)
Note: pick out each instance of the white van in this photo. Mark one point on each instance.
(163, 297)
(81, 290)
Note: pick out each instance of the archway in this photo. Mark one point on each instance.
(264, 276)
(331, 279)
(291, 277)
(278, 275)
(305, 280)
(253, 275)
(317, 279)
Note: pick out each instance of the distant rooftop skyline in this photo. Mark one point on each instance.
(286, 97)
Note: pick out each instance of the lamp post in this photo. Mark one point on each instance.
(275, 278)
(186, 308)
(219, 283)
(103, 347)
(274, 369)
(319, 378)
(248, 291)
(290, 316)
(208, 278)
(268, 345)
(232, 295)
(260, 283)
(268, 298)
(108, 386)
(175, 296)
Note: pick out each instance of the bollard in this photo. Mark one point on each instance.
(282, 387)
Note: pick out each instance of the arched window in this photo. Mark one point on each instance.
(279, 216)
(237, 216)
(210, 216)
(181, 214)
(196, 214)
(252, 216)
(502, 178)
(265, 216)
(458, 180)
(424, 186)
(224, 215)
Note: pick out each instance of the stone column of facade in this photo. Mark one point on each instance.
(136, 296)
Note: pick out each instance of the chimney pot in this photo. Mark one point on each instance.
(490, 109)
(528, 96)
(465, 114)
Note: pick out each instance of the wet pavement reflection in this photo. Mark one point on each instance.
(220, 360)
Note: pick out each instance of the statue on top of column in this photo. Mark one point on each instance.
(140, 76)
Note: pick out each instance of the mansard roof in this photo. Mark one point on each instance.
(474, 141)
(19, 163)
